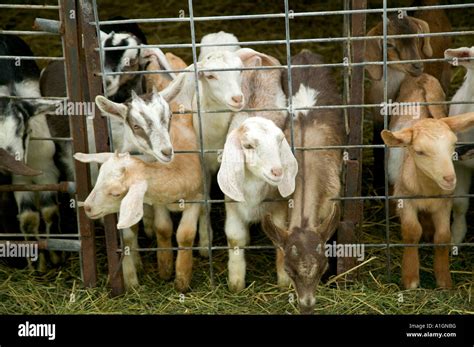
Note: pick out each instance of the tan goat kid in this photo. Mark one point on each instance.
(424, 167)
(125, 183)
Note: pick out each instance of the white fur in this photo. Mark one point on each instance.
(463, 168)
(218, 38)
(304, 97)
(246, 176)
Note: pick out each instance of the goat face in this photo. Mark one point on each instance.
(147, 123)
(305, 260)
(399, 49)
(124, 60)
(223, 87)
(14, 116)
(259, 147)
(431, 142)
(110, 187)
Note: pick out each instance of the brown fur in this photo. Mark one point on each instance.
(438, 22)
(160, 81)
(314, 217)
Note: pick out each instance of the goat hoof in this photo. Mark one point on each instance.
(411, 284)
(444, 283)
(181, 285)
(236, 286)
(29, 222)
(165, 272)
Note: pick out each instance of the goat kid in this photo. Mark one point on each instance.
(425, 168)
(257, 165)
(463, 168)
(397, 50)
(314, 216)
(125, 183)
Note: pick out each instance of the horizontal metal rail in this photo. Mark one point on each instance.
(293, 41)
(50, 245)
(27, 57)
(366, 245)
(63, 187)
(28, 32)
(280, 15)
(29, 7)
(65, 139)
(3, 235)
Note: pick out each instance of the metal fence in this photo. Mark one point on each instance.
(84, 30)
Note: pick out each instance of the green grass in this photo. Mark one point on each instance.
(370, 292)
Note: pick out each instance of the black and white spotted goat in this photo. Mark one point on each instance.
(19, 120)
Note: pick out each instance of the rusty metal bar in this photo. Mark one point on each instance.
(50, 245)
(71, 45)
(63, 187)
(103, 141)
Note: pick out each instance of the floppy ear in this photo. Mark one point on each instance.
(149, 54)
(290, 169)
(252, 58)
(397, 138)
(182, 89)
(460, 122)
(93, 157)
(274, 233)
(373, 52)
(424, 29)
(16, 167)
(231, 174)
(131, 207)
(329, 225)
(463, 52)
(110, 108)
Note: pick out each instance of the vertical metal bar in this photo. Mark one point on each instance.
(71, 50)
(385, 126)
(201, 142)
(290, 84)
(102, 135)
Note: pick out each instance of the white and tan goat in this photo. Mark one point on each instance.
(125, 183)
(257, 165)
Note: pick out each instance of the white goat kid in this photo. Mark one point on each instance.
(463, 168)
(257, 164)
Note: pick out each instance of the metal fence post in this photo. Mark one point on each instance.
(353, 209)
(102, 139)
(71, 46)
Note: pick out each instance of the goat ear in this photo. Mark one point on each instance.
(110, 108)
(44, 106)
(290, 169)
(460, 122)
(329, 225)
(93, 157)
(252, 58)
(373, 52)
(182, 89)
(17, 167)
(463, 52)
(397, 138)
(425, 29)
(131, 207)
(231, 174)
(274, 233)
(104, 35)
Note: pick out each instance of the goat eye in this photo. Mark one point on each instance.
(389, 46)
(211, 77)
(136, 127)
(248, 146)
(420, 153)
(115, 195)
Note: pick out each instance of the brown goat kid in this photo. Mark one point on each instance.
(424, 167)
(397, 50)
(438, 22)
(314, 217)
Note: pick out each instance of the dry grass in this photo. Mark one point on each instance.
(22, 292)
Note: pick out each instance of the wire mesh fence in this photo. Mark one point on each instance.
(351, 45)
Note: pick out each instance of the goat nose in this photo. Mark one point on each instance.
(418, 66)
(449, 178)
(237, 99)
(87, 208)
(167, 152)
(277, 171)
